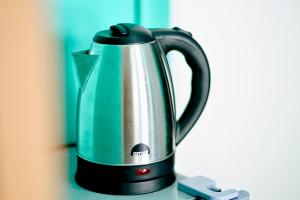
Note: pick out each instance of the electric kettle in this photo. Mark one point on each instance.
(126, 122)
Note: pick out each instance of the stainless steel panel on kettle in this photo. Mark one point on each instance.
(126, 122)
(125, 102)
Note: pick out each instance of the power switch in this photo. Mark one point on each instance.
(142, 172)
(119, 30)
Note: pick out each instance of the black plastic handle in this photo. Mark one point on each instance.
(182, 41)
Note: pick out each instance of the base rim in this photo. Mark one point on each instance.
(135, 188)
(121, 180)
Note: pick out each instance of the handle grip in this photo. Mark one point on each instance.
(182, 41)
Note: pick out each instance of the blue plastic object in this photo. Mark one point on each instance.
(205, 188)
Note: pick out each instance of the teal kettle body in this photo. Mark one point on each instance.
(127, 130)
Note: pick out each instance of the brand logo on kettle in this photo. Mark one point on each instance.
(140, 150)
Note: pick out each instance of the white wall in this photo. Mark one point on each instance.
(248, 136)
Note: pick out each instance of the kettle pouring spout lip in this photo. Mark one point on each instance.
(84, 64)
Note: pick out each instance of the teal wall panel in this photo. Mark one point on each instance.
(76, 22)
(153, 13)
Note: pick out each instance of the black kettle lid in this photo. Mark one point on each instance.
(124, 34)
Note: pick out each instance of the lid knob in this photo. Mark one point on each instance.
(119, 30)
(124, 34)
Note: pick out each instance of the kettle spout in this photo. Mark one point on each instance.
(84, 65)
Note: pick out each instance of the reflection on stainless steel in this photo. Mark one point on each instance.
(130, 102)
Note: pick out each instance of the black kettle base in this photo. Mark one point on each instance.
(125, 180)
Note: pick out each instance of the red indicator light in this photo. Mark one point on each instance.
(141, 172)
